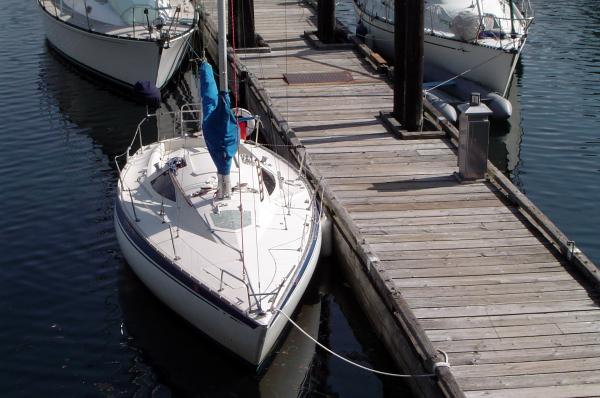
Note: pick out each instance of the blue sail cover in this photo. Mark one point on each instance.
(218, 122)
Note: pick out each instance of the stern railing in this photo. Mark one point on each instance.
(140, 19)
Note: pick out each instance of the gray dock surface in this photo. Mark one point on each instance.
(481, 281)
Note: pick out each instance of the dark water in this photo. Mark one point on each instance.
(74, 320)
(559, 92)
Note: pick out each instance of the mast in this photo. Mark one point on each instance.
(223, 180)
(479, 13)
(513, 34)
(222, 28)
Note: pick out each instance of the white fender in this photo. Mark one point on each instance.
(326, 234)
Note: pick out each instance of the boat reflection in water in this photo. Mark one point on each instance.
(101, 109)
(170, 351)
(191, 363)
(506, 136)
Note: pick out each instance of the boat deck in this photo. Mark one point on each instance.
(202, 233)
(137, 31)
(461, 262)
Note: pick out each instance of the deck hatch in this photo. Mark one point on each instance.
(230, 219)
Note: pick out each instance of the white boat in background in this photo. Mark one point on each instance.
(228, 259)
(480, 40)
(125, 41)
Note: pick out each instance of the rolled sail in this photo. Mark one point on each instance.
(218, 122)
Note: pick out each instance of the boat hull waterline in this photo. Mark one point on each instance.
(248, 340)
(124, 61)
(488, 66)
(489, 62)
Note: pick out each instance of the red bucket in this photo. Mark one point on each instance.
(243, 127)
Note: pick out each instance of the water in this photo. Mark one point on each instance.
(559, 92)
(74, 319)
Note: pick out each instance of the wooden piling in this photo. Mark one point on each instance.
(414, 65)
(400, 26)
(241, 27)
(326, 20)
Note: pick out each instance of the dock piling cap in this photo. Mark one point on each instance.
(475, 107)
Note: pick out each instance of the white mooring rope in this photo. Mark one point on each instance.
(436, 365)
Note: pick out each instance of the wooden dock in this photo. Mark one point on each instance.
(474, 270)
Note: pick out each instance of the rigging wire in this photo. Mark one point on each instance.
(239, 162)
(465, 72)
(256, 223)
(235, 97)
(287, 97)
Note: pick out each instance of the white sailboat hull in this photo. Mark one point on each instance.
(490, 67)
(200, 306)
(120, 59)
(276, 327)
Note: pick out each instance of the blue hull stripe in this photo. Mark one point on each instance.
(166, 266)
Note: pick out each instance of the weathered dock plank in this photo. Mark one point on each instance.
(489, 289)
(554, 391)
(513, 344)
(470, 262)
(512, 320)
(528, 368)
(472, 269)
(535, 354)
(399, 273)
(538, 380)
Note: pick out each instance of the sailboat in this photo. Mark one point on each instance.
(223, 230)
(480, 40)
(128, 42)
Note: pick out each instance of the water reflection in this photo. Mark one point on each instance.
(190, 363)
(108, 114)
(506, 136)
(87, 103)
